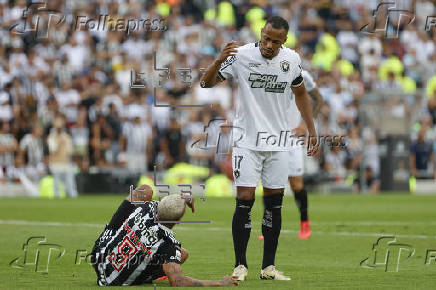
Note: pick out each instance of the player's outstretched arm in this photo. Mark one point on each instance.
(177, 279)
(305, 107)
(210, 77)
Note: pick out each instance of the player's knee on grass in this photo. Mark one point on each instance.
(296, 183)
(185, 255)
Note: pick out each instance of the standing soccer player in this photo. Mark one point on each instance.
(296, 156)
(265, 72)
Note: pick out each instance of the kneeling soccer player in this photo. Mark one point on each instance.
(138, 245)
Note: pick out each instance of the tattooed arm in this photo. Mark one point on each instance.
(318, 101)
(177, 279)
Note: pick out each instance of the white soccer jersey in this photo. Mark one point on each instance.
(293, 112)
(264, 95)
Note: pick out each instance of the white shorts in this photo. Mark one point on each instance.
(269, 166)
(296, 162)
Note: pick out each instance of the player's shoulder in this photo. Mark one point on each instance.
(290, 54)
(248, 46)
(168, 234)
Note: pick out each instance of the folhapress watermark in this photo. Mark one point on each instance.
(111, 23)
(288, 138)
(38, 20)
(37, 255)
(387, 254)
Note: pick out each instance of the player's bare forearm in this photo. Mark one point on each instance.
(305, 107)
(318, 101)
(185, 281)
(210, 78)
(177, 279)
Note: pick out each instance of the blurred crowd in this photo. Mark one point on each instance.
(81, 99)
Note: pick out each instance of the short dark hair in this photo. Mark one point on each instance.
(278, 22)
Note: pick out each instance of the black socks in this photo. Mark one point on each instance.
(301, 201)
(271, 225)
(241, 229)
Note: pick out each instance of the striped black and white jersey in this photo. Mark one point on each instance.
(34, 148)
(133, 247)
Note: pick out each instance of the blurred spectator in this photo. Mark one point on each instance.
(335, 163)
(60, 152)
(421, 156)
(80, 140)
(113, 120)
(136, 141)
(101, 140)
(370, 152)
(31, 146)
(8, 146)
(372, 184)
(173, 144)
(6, 105)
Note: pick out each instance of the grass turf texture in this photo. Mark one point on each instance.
(344, 228)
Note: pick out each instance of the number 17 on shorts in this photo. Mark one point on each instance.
(250, 166)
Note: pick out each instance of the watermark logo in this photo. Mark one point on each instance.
(430, 22)
(219, 135)
(387, 253)
(108, 23)
(388, 20)
(38, 254)
(430, 257)
(37, 19)
(183, 74)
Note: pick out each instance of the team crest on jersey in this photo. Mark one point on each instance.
(267, 82)
(284, 65)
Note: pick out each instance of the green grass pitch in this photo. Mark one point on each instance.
(344, 229)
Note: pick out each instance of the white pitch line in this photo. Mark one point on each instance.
(333, 223)
(181, 228)
(375, 223)
(50, 224)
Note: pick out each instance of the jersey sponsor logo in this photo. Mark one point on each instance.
(251, 64)
(125, 251)
(136, 240)
(284, 65)
(267, 82)
(228, 62)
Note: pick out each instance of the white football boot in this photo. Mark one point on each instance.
(271, 273)
(240, 272)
